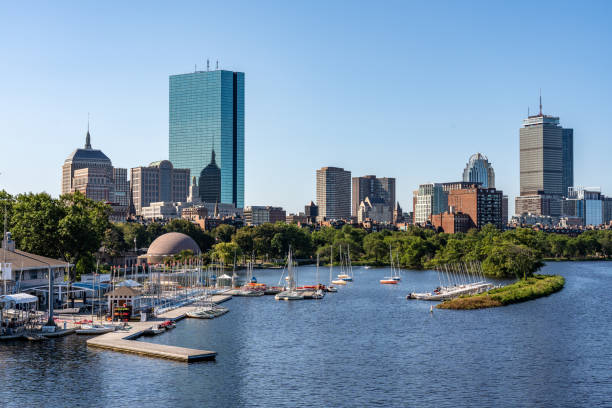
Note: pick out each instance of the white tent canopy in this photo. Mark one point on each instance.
(19, 298)
(129, 283)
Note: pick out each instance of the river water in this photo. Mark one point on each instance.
(363, 346)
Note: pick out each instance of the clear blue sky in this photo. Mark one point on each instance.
(396, 89)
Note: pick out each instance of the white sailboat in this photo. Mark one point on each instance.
(291, 293)
(338, 281)
(394, 278)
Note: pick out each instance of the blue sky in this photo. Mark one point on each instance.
(398, 89)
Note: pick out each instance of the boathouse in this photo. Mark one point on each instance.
(124, 302)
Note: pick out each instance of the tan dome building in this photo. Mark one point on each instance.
(170, 244)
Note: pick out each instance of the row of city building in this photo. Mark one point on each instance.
(204, 175)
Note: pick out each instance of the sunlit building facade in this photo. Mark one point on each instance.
(206, 115)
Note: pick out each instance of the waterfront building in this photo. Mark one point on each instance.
(158, 182)
(377, 189)
(311, 211)
(258, 214)
(206, 115)
(333, 193)
(22, 270)
(479, 170)
(546, 164)
(170, 244)
(429, 199)
(375, 210)
(483, 205)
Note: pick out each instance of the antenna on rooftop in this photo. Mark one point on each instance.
(528, 111)
(540, 101)
(195, 67)
(207, 65)
(217, 65)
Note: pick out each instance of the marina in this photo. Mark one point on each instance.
(260, 335)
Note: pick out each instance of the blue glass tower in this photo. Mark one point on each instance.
(206, 114)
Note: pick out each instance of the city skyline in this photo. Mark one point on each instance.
(129, 105)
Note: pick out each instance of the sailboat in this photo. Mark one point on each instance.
(345, 267)
(291, 293)
(390, 280)
(338, 281)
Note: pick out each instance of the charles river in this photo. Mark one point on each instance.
(363, 346)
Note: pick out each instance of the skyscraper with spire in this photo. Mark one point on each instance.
(546, 154)
(91, 172)
(207, 115)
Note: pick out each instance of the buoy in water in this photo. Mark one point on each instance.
(430, 309)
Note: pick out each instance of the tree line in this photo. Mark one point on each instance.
(74, 228)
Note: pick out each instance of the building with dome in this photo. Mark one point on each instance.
(91, 172)
(170, 244)
(479, 170)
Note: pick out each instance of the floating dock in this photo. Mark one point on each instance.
(120, 342)
(123, 341)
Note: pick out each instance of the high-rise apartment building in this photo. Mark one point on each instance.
(334, 193)
(377, 189)
(159, 182)
(479, 170)
(206, 115)
(546, 153)
(483, 205)
(429, 199)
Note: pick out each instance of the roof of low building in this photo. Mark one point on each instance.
(124, 291)
(21, 260)
(172, 243)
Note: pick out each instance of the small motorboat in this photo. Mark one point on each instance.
(168, 324)
(331, 289)
(94, 329)
(289, 295)
(388, 281)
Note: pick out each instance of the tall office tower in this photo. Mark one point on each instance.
(206, 115)
(210, 182)
(546, 152)
(334, 193)
(568, 160)
(429, 199)
(377, 189)
(479, 170)
(85, 158)
(160, 181)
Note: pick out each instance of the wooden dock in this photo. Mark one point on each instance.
(123, 341)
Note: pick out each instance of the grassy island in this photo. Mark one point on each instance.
(521, 291)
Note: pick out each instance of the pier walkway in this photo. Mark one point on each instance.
(123, 341)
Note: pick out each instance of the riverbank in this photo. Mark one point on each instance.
(520, 291)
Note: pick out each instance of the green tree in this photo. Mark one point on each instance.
(375, 247)
(82, 228)
(34, 224)
(224, 232)
(227, 251)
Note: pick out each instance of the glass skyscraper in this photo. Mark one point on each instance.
(206, 114)
(479, 170)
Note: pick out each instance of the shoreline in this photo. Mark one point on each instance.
(534, 287)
